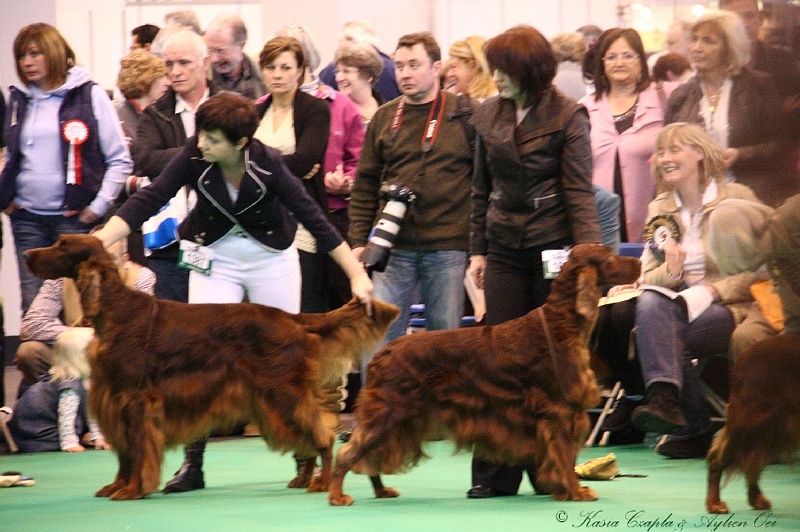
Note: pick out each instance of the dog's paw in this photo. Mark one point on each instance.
(108, 490)
(718, 507)
(126, 494)
(386, 493)
(317, 486)
(341, 500)
(759, 502)
(300, 481)
(584, 493)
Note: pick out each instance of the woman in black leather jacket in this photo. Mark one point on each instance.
(531, 192)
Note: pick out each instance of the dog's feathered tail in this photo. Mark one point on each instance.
(347, 334)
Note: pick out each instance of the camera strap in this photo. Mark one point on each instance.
(434, 121)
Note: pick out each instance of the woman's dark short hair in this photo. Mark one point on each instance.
(609, 37)
(276, 46)
(231, 113)
(526, 56)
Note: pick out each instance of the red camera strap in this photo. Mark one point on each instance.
(434, 120)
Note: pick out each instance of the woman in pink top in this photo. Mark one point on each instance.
(626, 113)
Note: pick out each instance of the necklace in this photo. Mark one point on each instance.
(712, 95)
(712, 102)
(627, 114)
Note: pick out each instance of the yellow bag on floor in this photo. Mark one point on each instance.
(603, 468)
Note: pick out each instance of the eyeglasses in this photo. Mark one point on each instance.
(346, 70)
(625, 57)
(223, 50)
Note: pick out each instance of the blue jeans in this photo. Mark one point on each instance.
(33, 231)
(666, 343)
(608, 205)
(441, 277)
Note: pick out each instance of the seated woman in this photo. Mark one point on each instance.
(51, 415)
(672, 331)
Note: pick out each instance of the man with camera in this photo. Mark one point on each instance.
(417, 154)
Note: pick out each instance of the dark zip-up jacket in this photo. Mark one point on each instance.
(532, 183)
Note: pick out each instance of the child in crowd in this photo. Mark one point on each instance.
(51, 414)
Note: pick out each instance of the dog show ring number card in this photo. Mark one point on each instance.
(552, 261)
(195, 257)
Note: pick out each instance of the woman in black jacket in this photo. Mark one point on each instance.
(531, 193)
(297, 125)
(241, 233)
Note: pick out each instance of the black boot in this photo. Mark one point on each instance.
(190, 476)
(662, 412)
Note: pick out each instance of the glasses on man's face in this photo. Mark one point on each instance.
(625, 57)
(222, 50)
(346, 71)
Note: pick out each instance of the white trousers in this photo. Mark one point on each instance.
(241, 266)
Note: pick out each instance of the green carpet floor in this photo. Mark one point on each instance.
(246, 491)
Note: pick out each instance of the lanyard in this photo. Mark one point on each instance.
(434, 121)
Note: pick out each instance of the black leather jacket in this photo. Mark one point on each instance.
(532, 183)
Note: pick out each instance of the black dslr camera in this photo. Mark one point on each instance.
(381, 238)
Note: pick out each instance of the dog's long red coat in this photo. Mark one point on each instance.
(504, 390)
(165, 373)
(763, 418)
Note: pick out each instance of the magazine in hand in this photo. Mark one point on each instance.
(696, 298)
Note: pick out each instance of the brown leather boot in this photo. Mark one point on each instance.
(661, 412)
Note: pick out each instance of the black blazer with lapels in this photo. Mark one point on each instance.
(312, 123)
(270, 199)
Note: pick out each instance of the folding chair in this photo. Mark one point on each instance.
(5, 412)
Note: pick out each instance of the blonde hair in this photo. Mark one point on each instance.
(138, 71)
(471, 49)
(70, 361)
(569, 47)
(712, 167)
(729, 26)
(361, 31)
(736, 239)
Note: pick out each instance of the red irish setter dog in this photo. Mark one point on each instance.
(516, 392)
(166, 373)
(763, 418)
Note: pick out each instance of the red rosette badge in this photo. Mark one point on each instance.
(657, 231)
(76, 132)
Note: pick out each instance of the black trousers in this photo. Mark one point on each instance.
(611, 340)
(514, 285)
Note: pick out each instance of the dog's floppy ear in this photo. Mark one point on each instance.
(587, 292)
(89, 287)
